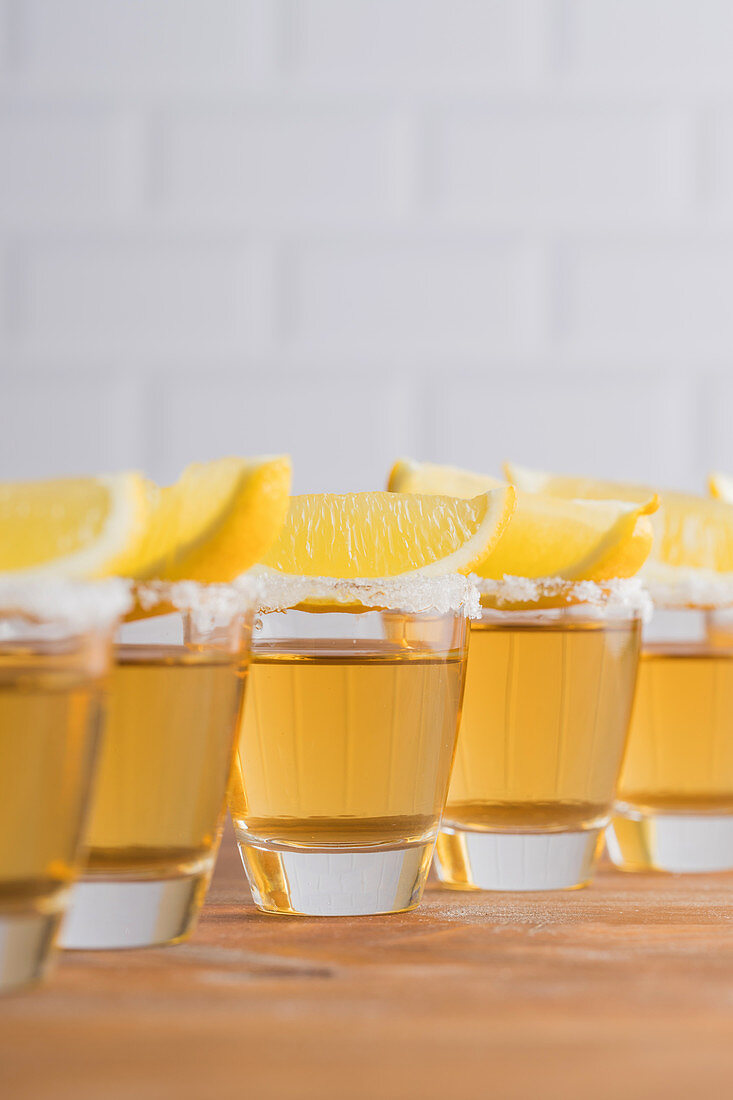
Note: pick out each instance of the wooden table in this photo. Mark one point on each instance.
(621, 990)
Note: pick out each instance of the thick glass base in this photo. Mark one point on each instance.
(113, 913)
(684, 843)
(341, 883)
(516, 861)
(26, 941)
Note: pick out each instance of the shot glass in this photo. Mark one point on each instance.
(55, 639)
(675, 800)
(545, 719)
(347, 740)
(173, 707)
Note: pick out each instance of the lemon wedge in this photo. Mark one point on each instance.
(547, 536)
(721, 487)
(575, 488)
(389, 534)
(690, 532)
(217, 520)
(407, 476)
(214, 523)
(573, 540)
(74, 527)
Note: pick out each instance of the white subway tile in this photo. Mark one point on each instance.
(279, 163)
(134, 294)
(4, 34)
(717, 160)
(343, 431)
(565, 164)
(634, 428)
(717, 423)
(158, 43)
(57, 163)
(408, 43)
(683, 46)
(668, 297)
(54, 423)
(379, 185)
(417, 295)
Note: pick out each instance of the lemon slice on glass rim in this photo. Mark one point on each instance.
(345, 551)
(74, 527)
(213, 524)
(379, 534)
(546, 536)
(216, 521)
(691, 560)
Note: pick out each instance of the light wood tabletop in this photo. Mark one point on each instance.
(624, 989)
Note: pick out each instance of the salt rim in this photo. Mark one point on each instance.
(410, 593)
(206, 603)
(76, 604)
(606, 599)
(701, 589)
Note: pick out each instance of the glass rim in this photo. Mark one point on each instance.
(410, 593)
(693, 590)
(198, 595)
(621, 598)
(206, 602)
(73, 603)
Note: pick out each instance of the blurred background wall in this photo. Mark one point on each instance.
(352, 229)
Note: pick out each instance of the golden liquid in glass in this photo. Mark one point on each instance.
(166, 758)
(680, 753)
(348, 744)
(544, 725)
(49, 718)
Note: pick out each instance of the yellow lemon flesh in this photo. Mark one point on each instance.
(74, 527)
(574, 540)
(547, 536)
(691, 533)
(721, 487)
(214, 523)
(389, 534)
(217, 520)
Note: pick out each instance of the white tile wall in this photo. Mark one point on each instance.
(407, 295)
(717, 437)
(159, 44)
(543, 165)
(666, 297)
(56, 162)
(352, 230)
(717, 160)
(390, 47)
(280, 164)
(133, 293)
(639, 429)
(356, 431)
(52, 424)
(681, 47)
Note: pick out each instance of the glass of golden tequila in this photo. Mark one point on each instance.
(173, 706)
(675, 801)
(346, 741)
(545, 718)
(55, 639)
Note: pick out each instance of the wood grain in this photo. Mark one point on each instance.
(621, 990)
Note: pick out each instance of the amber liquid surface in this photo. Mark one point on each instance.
(165, 761)
(680, 754)
(345, 744)
(49, 718)
(544, 725)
